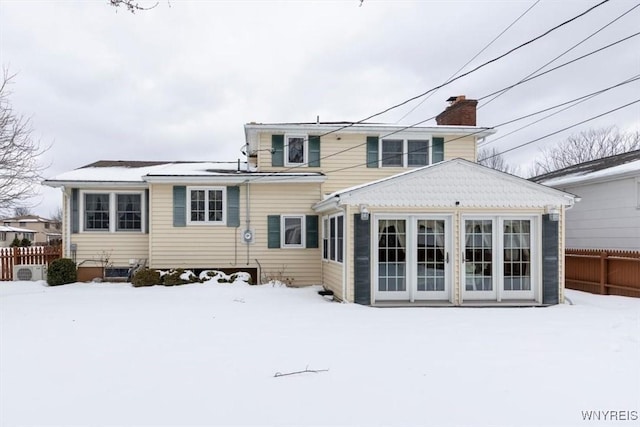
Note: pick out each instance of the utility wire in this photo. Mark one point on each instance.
(481, 98)
(471, 60)
(573, 102)
(472, 70)
(561, 55)
(565, 128)
(629, 80)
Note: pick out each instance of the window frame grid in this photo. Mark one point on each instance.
(305, 149)
(405, 150)
(206, 205)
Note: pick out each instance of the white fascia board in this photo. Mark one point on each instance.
(252, 131)
(329, 204)
(240, 179)
(578, 181)
(94, 184)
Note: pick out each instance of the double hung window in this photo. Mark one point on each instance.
(404, 152)
(206, 205)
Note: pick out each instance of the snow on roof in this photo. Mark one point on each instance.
(595, 170)
(140, 172)
(6, 228)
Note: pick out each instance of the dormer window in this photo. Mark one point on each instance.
(295, 149)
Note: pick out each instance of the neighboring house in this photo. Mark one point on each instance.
(8, 235)
(608, 215)
(39, 230)
(378, 214)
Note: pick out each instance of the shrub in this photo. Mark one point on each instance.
(15, 243)
(173, 278)
(25, 243)
(61, 272)
(146, 277)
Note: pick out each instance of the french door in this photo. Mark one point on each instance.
(412, 258)
(499, 258)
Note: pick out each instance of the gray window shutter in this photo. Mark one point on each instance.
(277, 150)
(550, 254)
(314, 151)
(312, 231)
(438, 149)
(372, 151)
(361, 262)
(75, 213)
(273, 231)
(179, 206)
(233, 206)
(146, 210)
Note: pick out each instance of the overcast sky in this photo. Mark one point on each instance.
(179, 81)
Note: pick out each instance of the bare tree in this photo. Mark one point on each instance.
(131, 5)
(585, 146)
(494, 160)
(56, 217)
(19, 153)
(21, 211)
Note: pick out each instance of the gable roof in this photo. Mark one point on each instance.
(450, 184)
(607, 168)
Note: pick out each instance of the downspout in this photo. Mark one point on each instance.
(248, 217)
(344, 254)
(67, 201)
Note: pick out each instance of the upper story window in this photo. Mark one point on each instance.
(295, 150)
(404, 152)
(46, 225)
(111, 211)
(206, 205)
(22, 224)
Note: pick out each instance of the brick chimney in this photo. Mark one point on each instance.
(460, 112)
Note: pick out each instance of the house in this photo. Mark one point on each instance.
(37, 229)
(8, 234)
(608, 215)
(378, 214)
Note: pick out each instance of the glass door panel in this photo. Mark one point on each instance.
(479, 280)
(392, 256)
(431, 259)
(516, 234)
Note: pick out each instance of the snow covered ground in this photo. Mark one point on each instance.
(203, 354)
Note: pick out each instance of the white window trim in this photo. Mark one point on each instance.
(328, 219)
(112, 212)
(405, 149)
(206, 206)
(303, 232)
(305, 157)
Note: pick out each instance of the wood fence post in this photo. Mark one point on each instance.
(603, 272)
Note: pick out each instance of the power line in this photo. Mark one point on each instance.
(573, 102)
(565, 128)
(635, 78)
(472, 70)
(471, 60)
(562, 54)
(528, 79)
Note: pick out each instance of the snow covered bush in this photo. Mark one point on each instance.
(61, 272)
(179, 277)
(146, 277)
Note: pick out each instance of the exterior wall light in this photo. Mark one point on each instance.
(554, 213)
(364, 213)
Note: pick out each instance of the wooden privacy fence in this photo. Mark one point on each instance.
(603, 272)
(30, 255)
